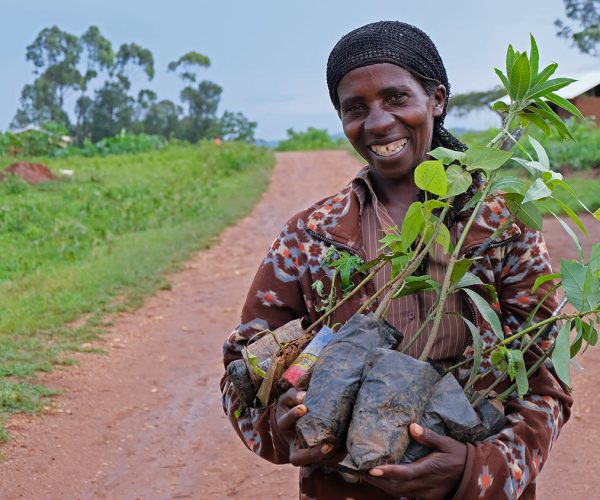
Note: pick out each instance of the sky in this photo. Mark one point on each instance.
(270, 55)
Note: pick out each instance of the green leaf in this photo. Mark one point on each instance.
(593, 339)
(527, 213)
(443, 238)
(537, 120)
(447, 155)
(595, 258)
(510, 59)
(596, 214)
(431, 176)
(534, 58)
(546, 73)
(575, 347)
(561, 354)
(508, 184)
(499, 358)
(473, 201)
(546, 111)
(516, 370)
(318, 287)
(563, 103)
(544, 279)
(477, 345)
(486, 159)
(346, 264)
(468, 279)
(459, 269)
(503, 79)
(580, 285)
(398, 264)
(431, 205)
(412, 225)
(537, 191)
(500, 106)
(414, 284)
(534, 167)
(486, 312)
(543, 89)
(571, 233)
(520, 77)
(574, 217)
(458, 181)
(253, 365)
(392, 240)
(541, 152)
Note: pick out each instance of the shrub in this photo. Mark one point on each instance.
(310, 140)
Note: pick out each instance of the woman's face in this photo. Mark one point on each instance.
(388, 117)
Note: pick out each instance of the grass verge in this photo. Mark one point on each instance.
(139, 217)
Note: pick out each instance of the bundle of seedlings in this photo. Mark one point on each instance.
(363, 392)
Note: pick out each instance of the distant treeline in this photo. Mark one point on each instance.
(84, 86)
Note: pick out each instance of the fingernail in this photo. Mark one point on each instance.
(300, 396)
(300, 410)
(376, 472)
(417, 430)
(326, 448)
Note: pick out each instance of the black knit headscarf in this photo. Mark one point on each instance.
(400, 44)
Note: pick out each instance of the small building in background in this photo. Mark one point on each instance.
(584, 94)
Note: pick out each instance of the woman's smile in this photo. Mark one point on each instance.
(390, 149)
(388, 118)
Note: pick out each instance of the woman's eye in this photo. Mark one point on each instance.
(396, 98)
(354, 108)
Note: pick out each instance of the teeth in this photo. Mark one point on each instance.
(389, 149)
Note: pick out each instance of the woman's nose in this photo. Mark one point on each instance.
(379, 121)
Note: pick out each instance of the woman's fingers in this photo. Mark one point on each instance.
(308, 456)
(286, 423)
(291, 398)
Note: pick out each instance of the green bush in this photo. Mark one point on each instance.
(310, 140)
(49, 140)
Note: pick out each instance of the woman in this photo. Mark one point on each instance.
(389, 86)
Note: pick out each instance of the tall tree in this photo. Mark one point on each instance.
(463, 104)
(55, 55)
(162, 118)
(201, 99)
(234, 127)
(584, 30)
(113, 108)
(99, 56)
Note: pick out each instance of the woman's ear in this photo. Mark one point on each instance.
(439, 100)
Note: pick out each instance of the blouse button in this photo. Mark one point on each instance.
(411, 315)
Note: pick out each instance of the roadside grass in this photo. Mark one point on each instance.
(580, 157)
(101, 242)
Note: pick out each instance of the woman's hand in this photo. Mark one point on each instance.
(435, 476)
(289, 410)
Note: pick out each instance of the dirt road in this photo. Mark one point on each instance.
(145, 421)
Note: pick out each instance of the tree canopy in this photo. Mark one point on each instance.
(583, 30)
(462, 104)
(100, 84)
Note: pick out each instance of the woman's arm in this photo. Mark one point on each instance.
(507, 464)
(275, 298)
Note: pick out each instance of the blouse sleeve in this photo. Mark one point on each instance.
(506, 465)
(275, 298)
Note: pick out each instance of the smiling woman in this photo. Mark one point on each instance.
(389, 86)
